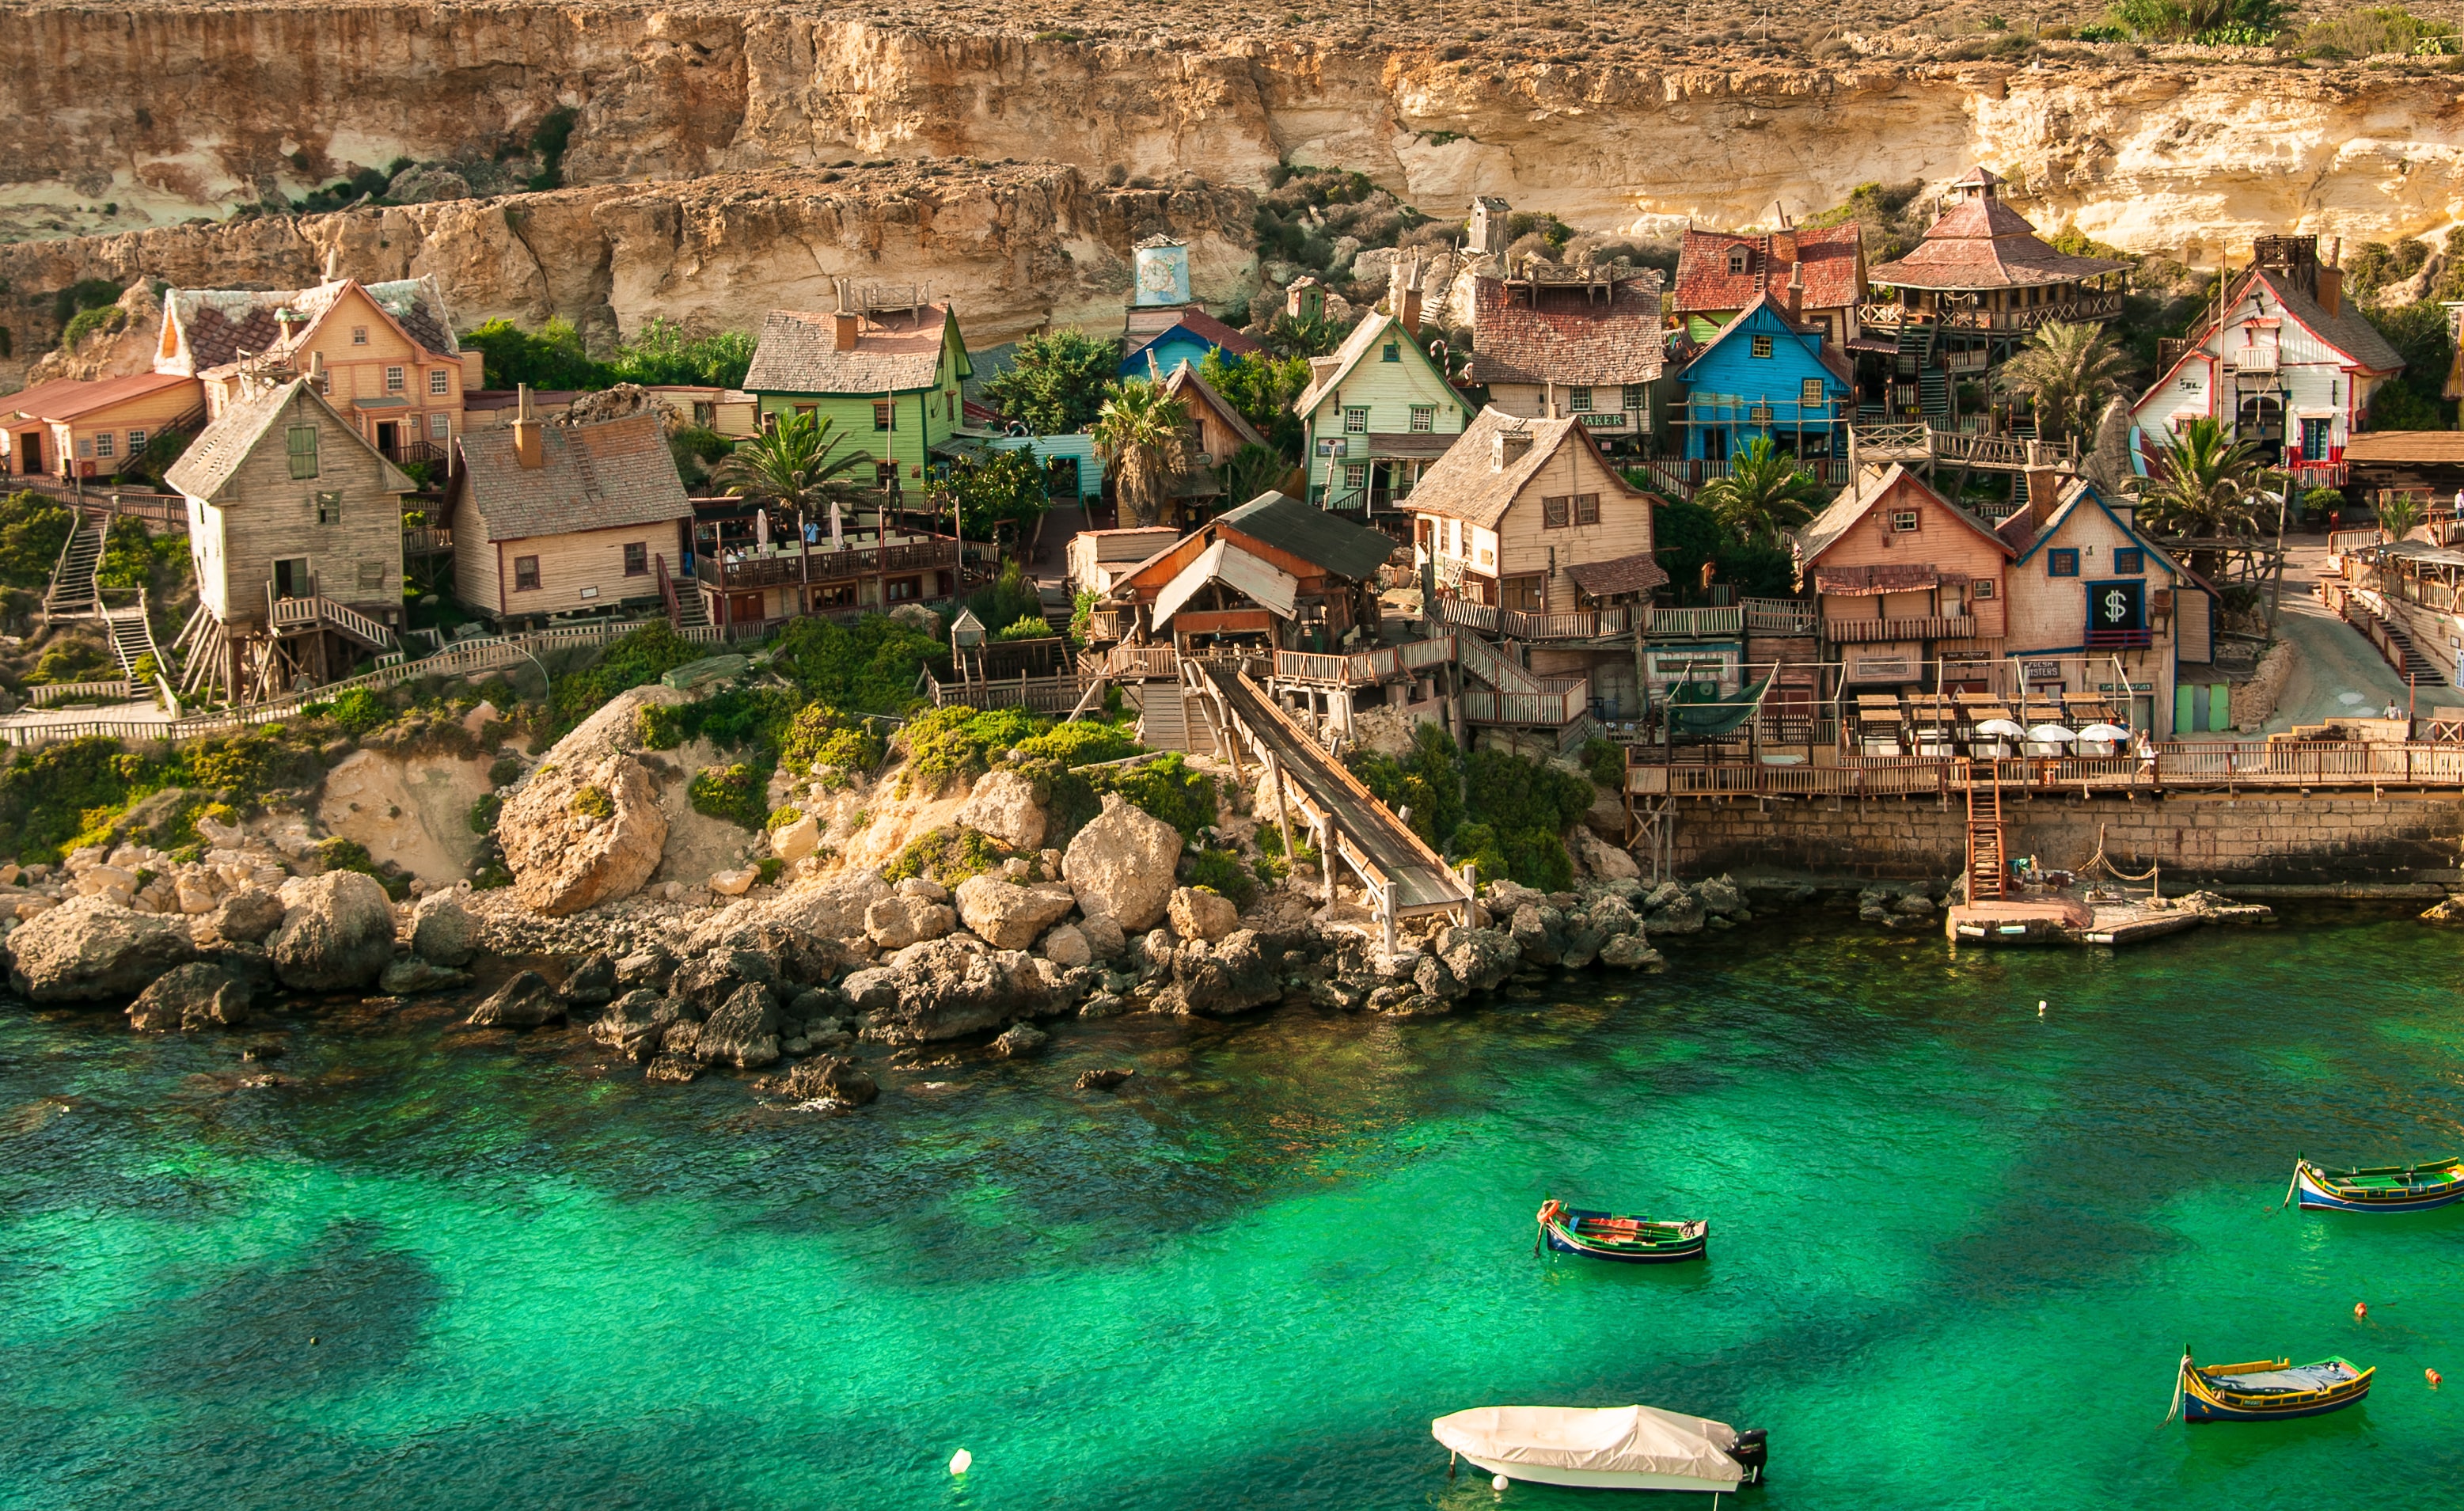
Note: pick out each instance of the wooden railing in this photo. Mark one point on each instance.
(2092, 304)
(1924, 626)
(1781, 616)
(777, 569)
(1363, 668)
(426, 541)
(1696, 624)
(43, 696)
(1561, 701)
(2174, 766)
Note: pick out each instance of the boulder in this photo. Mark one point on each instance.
(1233, 976)
(648, 971)
(830, 1077)
(191, 996)
(526, 1002)
(409, 976)
(1104, 935)
(336, 932)
(706, 981)
(1611, 916)
(832, 911)
(1066, 947)
(1198, 912)
(592, 982)
(93, 947)
(632, 1024)
(1504, 897)
(744, 1030)
(1122, 863)
(1913, 905)
(1719, 897)
(735, 883)
(674, 1068)
(1435, 979)
(444, 930)
(1603, 859)
(425, 184)
(898, 920)
(924, 887)
(194, 894)
(1630, 952)
(2446, 911)
(873, 990)
(1007, 807)
(1480, 958)
(1021, 1038)
(793, 841)
(1103, 1080)
(944, 990)
(246, 917)
(1684, 915)
(579, 834)
(1539, 933)
(1008, 916)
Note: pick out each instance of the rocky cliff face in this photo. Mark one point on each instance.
(211, 106)
(1021, 247)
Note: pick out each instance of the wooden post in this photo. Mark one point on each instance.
(1326, 857)
(1282, 814)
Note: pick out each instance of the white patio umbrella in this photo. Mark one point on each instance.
(2002, 729)
(2051, 734)
(2104, 731)
(762, 527)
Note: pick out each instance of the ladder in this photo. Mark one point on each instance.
(1987, 870)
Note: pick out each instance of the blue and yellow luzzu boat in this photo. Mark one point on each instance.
(1629, 1240)
(2380, 1187)
(2267, 1390)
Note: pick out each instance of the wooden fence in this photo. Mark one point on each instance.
(2176, 766)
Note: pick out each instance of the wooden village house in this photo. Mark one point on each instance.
(556, 519)
(1767, 376)
(383, 353)
(1901, 578)
(1219, 432)
(295, 530)
(69, 427)
(1376, 413)
(1720, 272)
(884, 369)
(1585, 343)
(1273, 573)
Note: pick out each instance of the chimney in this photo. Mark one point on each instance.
(1783, 244)
(2044, 491)
(1407, 303)
(2331, 281)
(527, 449)
(1795, 288)
(843, 330)
(317, 370)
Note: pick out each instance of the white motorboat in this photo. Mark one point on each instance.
(1608, 1447)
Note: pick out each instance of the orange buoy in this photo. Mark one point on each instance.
(2432, 1376)
(2361, 1311)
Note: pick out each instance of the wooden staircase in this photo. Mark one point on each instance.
(1988, 869)
(1166, 722)
(684, 604)
(72, 591)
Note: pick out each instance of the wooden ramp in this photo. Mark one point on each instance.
(1403, 877)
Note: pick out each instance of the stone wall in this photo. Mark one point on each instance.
(2289, 841)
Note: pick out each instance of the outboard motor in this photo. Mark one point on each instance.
(1753, 1453)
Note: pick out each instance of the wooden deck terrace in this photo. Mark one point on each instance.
(785, 567)
(1775, 616)
(2176, 766)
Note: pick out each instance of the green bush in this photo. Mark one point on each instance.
(1605, 761)
(1080, 742)
(869, 666)
(483, 813)
(505, 771)
(338, 854)
(821, 736)
(1165, 789)
(358, 710)
(628, 662)
(958, 741)
(767, 868)
(783, 816)
(948, 856)
(1221, 872)
(33, 530)
(86, 322)
(732, 793)
(1428, 782)
(590, 803)
(1028, 627)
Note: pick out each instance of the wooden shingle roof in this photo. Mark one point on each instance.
(610, 475)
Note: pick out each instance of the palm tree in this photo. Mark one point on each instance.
(2398, 513)
(1143, 436)
(1763, 493)
(2066, 371)
(2207, 485)
(792, 464)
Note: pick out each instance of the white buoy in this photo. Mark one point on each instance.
(1498, 1484)
(960, 1460)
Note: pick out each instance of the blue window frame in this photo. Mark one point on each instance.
(2061, 563)
(2129, 562)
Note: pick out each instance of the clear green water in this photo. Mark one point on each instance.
(1955, 1247)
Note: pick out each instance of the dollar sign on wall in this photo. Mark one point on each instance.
(2115, 606)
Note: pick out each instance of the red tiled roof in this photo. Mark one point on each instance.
(1198, 322)
(1828, 257)
(1566, 339)
(65, 399)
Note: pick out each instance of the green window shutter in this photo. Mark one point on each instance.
(2186, 709)
(2220, 706)
(301, 442)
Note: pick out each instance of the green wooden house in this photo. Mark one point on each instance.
(1377, 412)
(885, 375)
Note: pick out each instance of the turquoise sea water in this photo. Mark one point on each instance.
(1956, 1248)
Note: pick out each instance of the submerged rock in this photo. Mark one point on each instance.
(830, 1077)
(1021, 1038)
(409, 976)
(1103, 1080)
(526, 1002)
(190, 997)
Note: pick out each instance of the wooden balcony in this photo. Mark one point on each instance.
(2127, 638)
(1929, 626)
(2089, 305)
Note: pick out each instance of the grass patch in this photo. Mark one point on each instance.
(732, 793)
(590, 803)
(946, 855)
(1221, 871)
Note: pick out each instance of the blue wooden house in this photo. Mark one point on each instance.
(1188, 339)
(1764, 374)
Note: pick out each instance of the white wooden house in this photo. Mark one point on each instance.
(1377, 412)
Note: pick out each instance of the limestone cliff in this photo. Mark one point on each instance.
(209, 106)
(1021, 247)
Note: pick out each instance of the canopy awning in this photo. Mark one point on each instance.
(1867, 582)
(1616, 1440)
(1264, 584)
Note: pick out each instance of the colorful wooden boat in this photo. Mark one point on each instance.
(2267, 1390)
(2379, 1187)
(1628, 1240)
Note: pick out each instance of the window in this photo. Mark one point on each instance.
(1424, 418)
(1903, 521)
(2061, 563)
(1355, 422)
(525, 574)
(1356, 475)
(135, 442)
(393, 379)
(328, 507)
(637, 559)
(440, 427)
(1633, 395)
(1393, 352)
(1809, 393)
(2130, 560)
(882, 417)
(705, 416)
(840, 595)
(1981, 590)
(104, 443)
(1587, 509)
(1579, 399)
(301, 442)
(1556, 513)
(1737, 261)
(359, 336)
(1521, 595)
(1762, 346)
(372, 576)
(902, 589)
(440, 383)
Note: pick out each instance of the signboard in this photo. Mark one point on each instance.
(2117, 605)
(1330, 445)
(2126, 687)
(2042, 670)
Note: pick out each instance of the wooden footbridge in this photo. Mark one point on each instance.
(1403, 877)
